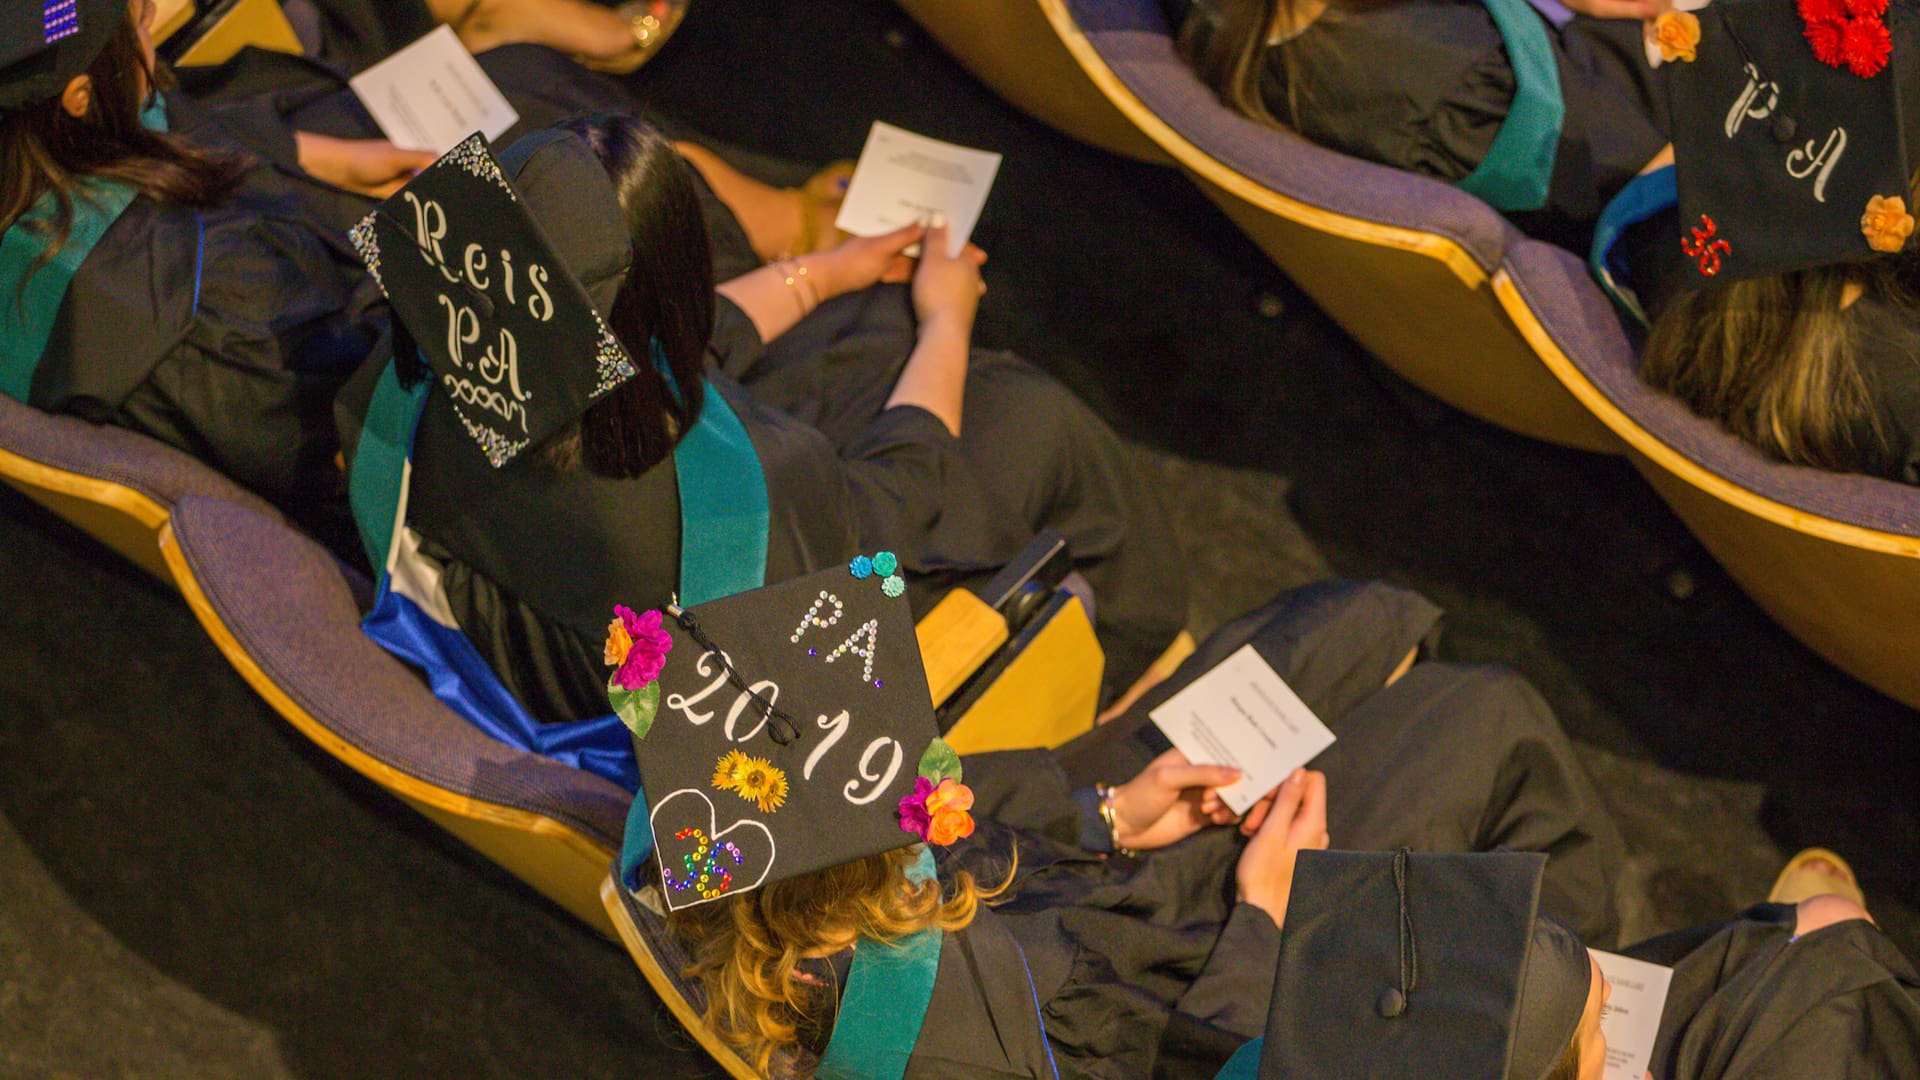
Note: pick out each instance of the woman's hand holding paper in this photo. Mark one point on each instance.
(1167, 802)
(1296, 821)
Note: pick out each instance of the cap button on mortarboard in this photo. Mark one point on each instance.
(1784, 127)
(1391, 1003)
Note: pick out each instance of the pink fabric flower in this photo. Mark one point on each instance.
(937, 812)
(914, 816)
(651, 644)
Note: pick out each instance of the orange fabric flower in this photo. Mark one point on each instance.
(619, 644)
(1677, 33)
(1886, 224)
(947, 807)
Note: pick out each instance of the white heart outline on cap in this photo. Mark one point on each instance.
(713, 824)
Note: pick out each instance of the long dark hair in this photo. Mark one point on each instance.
(45, 150)
(666, 298)
(1224, 41)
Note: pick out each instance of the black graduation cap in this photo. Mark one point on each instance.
(1788, 124)
(1403, 965)
(786, 728)
(502, 272)
(45, 43)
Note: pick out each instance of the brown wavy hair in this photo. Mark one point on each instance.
(1776, 360)
(1226, 44)
(45, 150)
(746, 948)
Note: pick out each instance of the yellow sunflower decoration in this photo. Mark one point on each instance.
(754, 779)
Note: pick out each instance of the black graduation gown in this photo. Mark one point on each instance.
(1749, 1002)
(224, 332)
(1424, 85)
(1030, 456)
(1147, 967)
(534, 558)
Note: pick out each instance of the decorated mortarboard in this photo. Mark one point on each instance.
(1789, 133)
(1403, 965)
(45, 43)
(784, 730)
(502, 272)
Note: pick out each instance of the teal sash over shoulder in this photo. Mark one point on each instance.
(1518, 168)
(32, 287)
(888, 991)
(1244, 1064)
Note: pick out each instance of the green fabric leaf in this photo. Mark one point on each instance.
(940, 762)
(635, 707)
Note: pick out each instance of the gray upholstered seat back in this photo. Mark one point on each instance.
(115, 455)
(287, 603)
(1580, 319)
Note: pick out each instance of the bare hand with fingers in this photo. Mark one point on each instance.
(373, 167)
(861, 261)
(1165, 803)
(1296, 822)
(947, 288)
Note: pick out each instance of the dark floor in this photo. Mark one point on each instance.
(188, 889)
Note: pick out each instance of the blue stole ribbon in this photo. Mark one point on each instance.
(888, 991)
(1244, 1064)
(1644, 196)
(723, 495)
(1518, 169)
(32, 287)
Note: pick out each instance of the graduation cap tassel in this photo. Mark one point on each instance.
(768, 709)
(1393, 1000)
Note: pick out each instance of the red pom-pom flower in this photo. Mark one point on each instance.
(1822, 11)
(1848, 33)
(1824, 36)
(1866, 44)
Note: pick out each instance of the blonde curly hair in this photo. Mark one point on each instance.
(746, 947)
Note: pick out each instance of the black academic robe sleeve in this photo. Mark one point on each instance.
(1233, 991)
(983, 1022)
(1435, 86)
(1754, 1003)
(243, 325)
(892, 470)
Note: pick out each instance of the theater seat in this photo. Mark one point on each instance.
(1834, 558)
(115, 485)
(1404, 263)
(662, 960)
(283, 612)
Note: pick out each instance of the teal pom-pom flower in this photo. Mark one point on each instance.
(885, 564)
(894, 586)
(861, 568)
